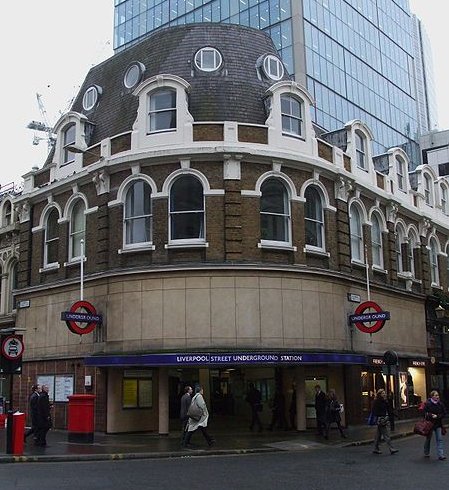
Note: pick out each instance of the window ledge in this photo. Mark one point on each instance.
(381, 270)
(295, 136)
(276, 246)
(316, 251)
(186, 245)
(358, 263)
(141, 248)
(74, 262)
(434, 285)
(50, 267)
(405, 275)
(362, 168)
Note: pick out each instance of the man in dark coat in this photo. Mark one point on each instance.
(320, 409)
(186, 400)
(32, 400)
(43, 417)
(254, 398)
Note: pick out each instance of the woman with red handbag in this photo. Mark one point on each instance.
(435, 411)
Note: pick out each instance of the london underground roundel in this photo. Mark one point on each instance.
(368, 321)
(82, 318)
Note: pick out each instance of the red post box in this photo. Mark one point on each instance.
(17, 433)
(81, 418)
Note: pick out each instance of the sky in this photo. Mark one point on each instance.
(53, 43)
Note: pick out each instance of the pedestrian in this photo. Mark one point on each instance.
(333, 415)
(186, 399)
(380, 410)
(435, 411)
(392, 412)
(278, 419)
(44, 421)
(201, 424)
(292, 409)
(254, 398)
(32, 401)
(320, 410)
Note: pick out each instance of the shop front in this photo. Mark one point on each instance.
(405, 382)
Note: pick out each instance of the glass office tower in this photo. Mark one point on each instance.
(356, 57)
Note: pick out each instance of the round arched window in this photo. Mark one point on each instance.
(208, 59)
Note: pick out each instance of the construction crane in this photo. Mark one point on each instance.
(43, 126)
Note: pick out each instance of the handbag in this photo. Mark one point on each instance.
(423, 427)
(372, 419)
(195, 412)
(383, 421)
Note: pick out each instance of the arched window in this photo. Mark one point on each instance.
(413, 251)
(400, 173)
(291, 113)
(187, 209)
(13, 282)
(274, 212)
(69, 136)
(7, 213)
(444, 205)
(400, 244)
(428, 198)
(314, 218)
(162, 110)
(138, 219)
(360, 149)
(433, 258)
(356, 230)
(376, 241)
(77, 229)
(51, 238)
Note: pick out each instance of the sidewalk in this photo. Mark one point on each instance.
(142, 446)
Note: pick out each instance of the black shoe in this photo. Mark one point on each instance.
(377, 451)
(442, 458)
(211, 442)
(394, 451)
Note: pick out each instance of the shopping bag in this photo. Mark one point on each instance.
(372, 419)
(423, 427)
(195, 412)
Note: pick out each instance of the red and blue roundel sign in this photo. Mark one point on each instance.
(370, 322)
(81, 312)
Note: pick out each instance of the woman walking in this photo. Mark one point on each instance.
(380, 410)
(434, 411)
(333, 414)
(201, 424)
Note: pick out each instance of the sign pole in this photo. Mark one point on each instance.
(367, 274)
(82, 270)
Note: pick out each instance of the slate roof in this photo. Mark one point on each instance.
(233, 93)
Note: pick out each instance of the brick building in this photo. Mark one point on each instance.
(225, 241)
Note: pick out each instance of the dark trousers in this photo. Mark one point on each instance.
(206, 435)
(255, 420)
(41, 434)
(321, 423)
(278, 420)
(339, 427)
(184, 423)
(31, 430)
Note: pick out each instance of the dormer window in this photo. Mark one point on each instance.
(91, 96)
(208, 59)
(291, 113)
(273, 68)
(360, 149)
(162, 110)
(69, 141)
(133, 75)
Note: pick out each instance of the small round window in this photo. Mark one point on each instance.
(273, 67)
(91, 96)
(208, 59)
(133, 75)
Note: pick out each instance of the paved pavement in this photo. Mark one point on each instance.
(142, 446)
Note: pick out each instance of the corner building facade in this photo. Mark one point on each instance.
(222, 240)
